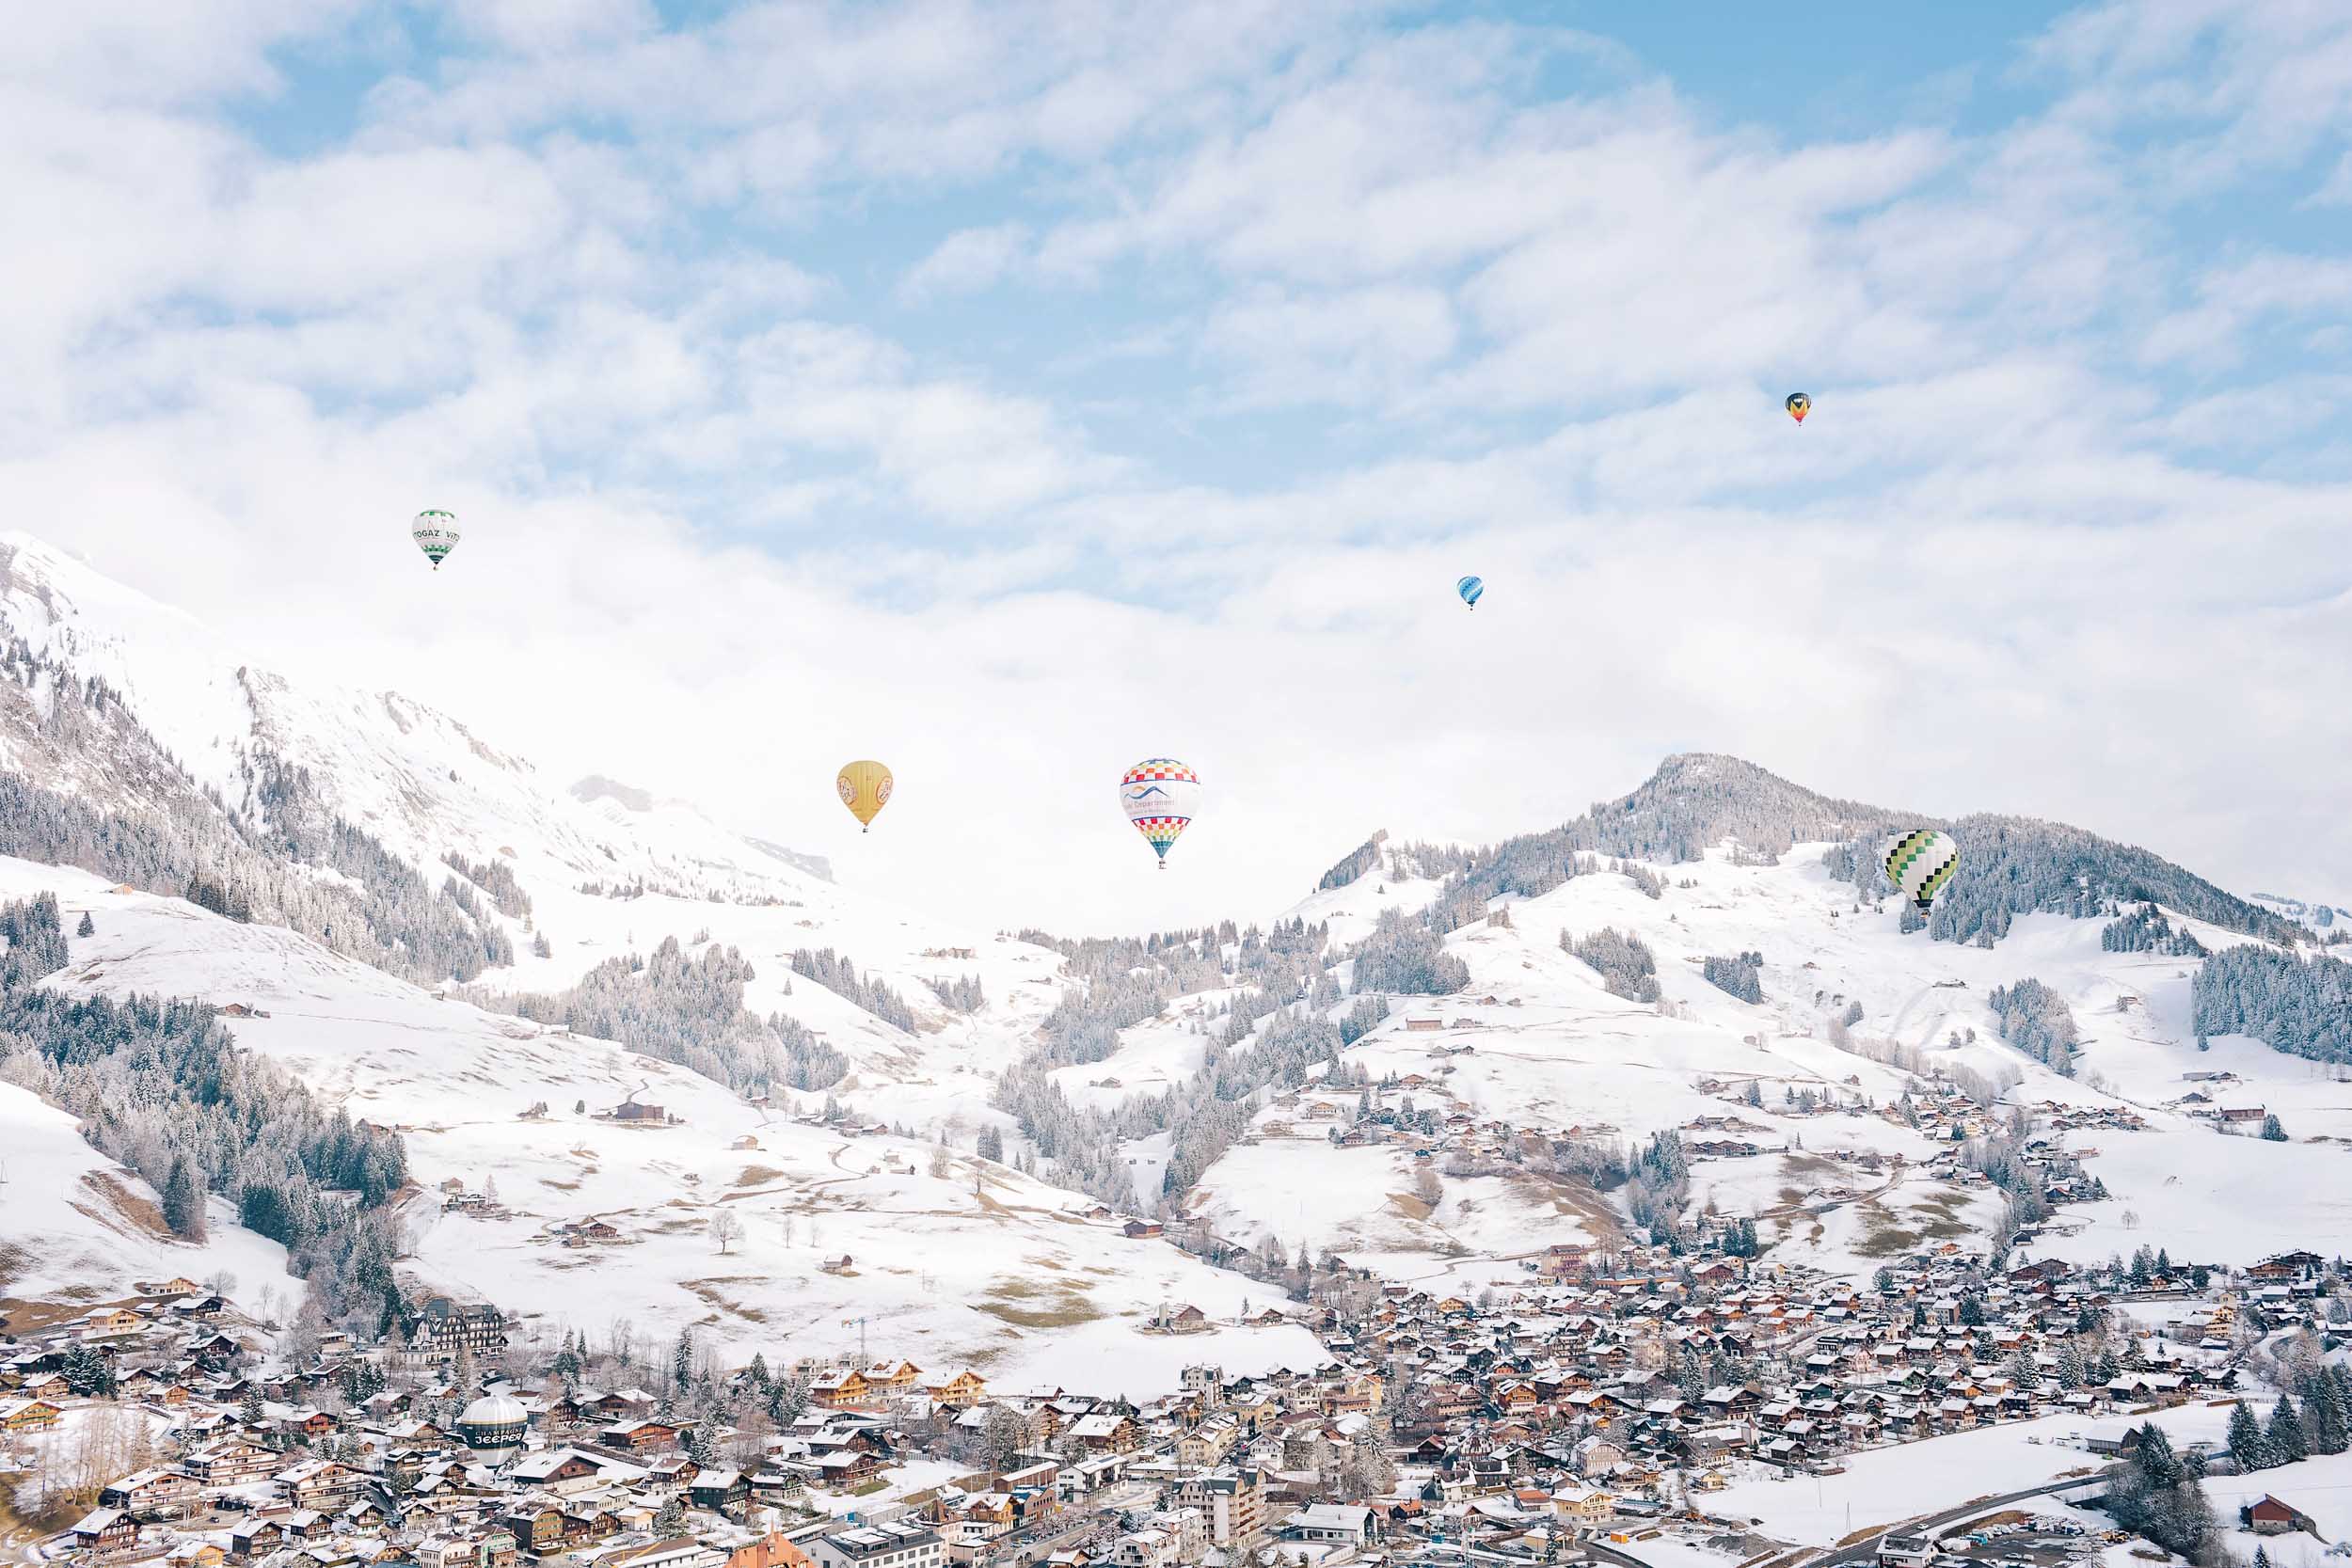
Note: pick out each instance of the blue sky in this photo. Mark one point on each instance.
(1037, 382)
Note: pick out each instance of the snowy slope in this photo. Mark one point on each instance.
(1554, 1049)
(979, 1265)
(74, 1225)
(426, 787)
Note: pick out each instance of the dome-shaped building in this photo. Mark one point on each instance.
(495, 1423)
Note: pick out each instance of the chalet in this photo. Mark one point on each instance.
(230, 1462)
(840, 1390)
(558, 1469)
(1140, 1229)
(720, 1491)
(636, 1111)
(154, 1493)
(109, 1321)
(104, 1530)
(1108, 1434)
(256, 1538)
(537, 1529)
(2230, 1114)
(319, 1483)
(1424, 1025)
(963, 1388)
(640, 1436)
(28, 1415)
(836, 1265)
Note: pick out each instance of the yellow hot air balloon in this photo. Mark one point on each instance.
(865, 789)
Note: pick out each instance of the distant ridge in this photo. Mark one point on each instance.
(2011, 865)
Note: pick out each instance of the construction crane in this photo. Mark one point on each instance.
(864, 1361)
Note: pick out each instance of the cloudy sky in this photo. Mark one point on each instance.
(1010, 390)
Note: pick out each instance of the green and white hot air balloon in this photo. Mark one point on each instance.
(436, 533)
(1920, 864)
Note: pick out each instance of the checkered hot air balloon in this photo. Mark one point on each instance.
(436, 533)
(1160, 796)
(1920, 864)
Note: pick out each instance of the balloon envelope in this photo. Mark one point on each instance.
(1469, 588)
(865, 789)
(1799, 405)
(1920, 864)
(436, 533)
(1160, 796)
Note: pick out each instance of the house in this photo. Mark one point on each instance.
(840, 1390)
(443, 1327)
(104, 1529)
(230, 1462)
(28, 1415)
(1906, 1551)
(720, 1491)
(1140, 1229)
(963, 1388)
(640, 1436)
(158, 1492)
(2267, 1515)
(1333, 1522)
(836, 1265)
(319, 1483)
(896, 1544)
(1424, 1025)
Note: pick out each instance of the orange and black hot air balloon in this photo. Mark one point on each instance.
(1799, 404)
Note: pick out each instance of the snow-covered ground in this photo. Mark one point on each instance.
(75, 1227)
(977, 1265)
(1554, 1049)
(1887, 1486)
(2321, 1488)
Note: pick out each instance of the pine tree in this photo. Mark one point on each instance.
(88, 927)
(250, 1409)
(183, 1202)
(2284, 1434)
(2331, 1430)
(682, 1361)
(2272, 1130)
(2245, 1440)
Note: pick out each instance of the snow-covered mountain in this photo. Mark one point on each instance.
(449, 946)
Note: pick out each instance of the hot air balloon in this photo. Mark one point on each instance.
(436, 533)
(1160, 796)
(1469, 588)
(1920, 864)
(1799, 404)
(865, 789)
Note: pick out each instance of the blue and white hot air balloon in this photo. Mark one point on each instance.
(1469, 588)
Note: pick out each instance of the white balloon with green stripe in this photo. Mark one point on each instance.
(1920, 864)
(436, 533)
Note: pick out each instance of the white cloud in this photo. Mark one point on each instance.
(966, 261)
(1560, 328)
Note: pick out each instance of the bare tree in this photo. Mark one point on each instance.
(725, 1229)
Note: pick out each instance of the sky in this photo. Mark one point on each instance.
(1013, 390)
